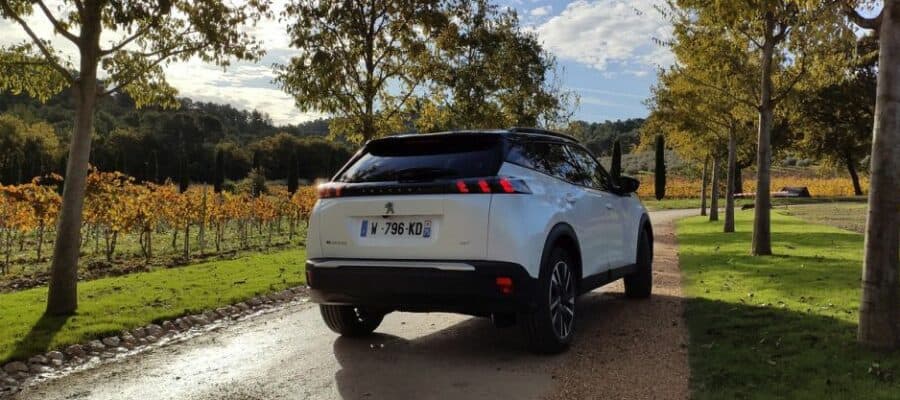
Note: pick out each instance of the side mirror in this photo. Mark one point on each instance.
(628, 184)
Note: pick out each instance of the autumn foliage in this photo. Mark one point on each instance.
(116, 205)
(683, 188)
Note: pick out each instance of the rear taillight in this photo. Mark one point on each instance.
(499, 185)
(492, 185)
(328, 190)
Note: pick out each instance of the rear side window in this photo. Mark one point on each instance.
(550, 158)
(426, 158)
(594, 174)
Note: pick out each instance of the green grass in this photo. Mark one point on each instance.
(849, 216)
(671, 204)
(782, 326)
(109, 305)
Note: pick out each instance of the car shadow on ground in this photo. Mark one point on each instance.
(473, 359)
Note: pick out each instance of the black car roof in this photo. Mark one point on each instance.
(516, 132)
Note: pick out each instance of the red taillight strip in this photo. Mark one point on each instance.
(462, 187)
(502, 185)
(485, 188)
(507, 186)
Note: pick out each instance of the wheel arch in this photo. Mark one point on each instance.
(562, 234)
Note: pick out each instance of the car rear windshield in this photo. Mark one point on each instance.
(426, 158)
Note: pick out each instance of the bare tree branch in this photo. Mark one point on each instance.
(725, 92)
(150, 66)
(749, 37)
(126, 41)
(863, 22)
(56, 24)
(787, 90)
(51, 58)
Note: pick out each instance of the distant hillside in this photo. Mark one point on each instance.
(151, 143)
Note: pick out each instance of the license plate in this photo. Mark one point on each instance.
(396, 227)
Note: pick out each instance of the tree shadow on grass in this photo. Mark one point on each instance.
(38, 339)
(741, 351)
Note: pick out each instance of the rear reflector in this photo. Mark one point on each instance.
(505, 285)
(461, 186)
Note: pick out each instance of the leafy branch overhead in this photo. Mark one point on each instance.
(143, 35)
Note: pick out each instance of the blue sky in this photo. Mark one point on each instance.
(604, 47)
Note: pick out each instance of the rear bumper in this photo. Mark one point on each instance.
(468, 287)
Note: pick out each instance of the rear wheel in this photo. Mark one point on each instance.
(350, 321)
(639, 284)
(550, 328)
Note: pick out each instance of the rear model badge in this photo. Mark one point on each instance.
(388, 208)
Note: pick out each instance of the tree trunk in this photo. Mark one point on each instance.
(703, 181)
(851, 168)
(729, 185)
(878, 311)
(40, 239)
(187, 242)
(62, 297)
(714, 197)
(762, 229)
(738, 179)
(202, 234)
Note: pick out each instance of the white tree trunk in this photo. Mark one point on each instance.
(714, 196)
(879, 310)
(762, 228)
(703, 179)
(729, 184)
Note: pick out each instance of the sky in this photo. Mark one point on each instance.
(605, 50)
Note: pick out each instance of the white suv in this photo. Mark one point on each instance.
(510, 224)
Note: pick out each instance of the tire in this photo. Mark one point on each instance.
(639, 284)
(550, 328)
(350, 321)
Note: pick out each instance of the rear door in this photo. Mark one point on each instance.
(605, 212)
(400, 200)
(576, 200)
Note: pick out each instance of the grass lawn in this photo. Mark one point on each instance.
(783, 326)
(849, 216)
(671, 204)
(109, 305)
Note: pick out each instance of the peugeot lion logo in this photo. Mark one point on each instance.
(388, 208)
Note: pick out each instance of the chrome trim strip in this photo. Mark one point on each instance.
(443, 266)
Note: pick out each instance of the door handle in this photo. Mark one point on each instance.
(609, 206)
(570, 198)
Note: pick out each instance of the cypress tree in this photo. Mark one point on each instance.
(616, 167)
(292, 182)
(660, 167)
(219, 178)
(256, 160)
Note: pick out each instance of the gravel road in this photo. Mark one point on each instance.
(623, 350)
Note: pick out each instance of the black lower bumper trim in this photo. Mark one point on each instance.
(420, 288)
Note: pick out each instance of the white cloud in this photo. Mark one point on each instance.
(540, 11)
(601, 33)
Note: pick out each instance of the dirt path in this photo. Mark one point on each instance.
(637, 349)
(623, 350)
